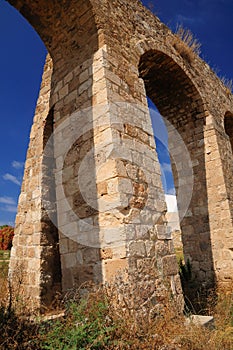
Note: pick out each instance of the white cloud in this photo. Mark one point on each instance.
(17, 165)
(11, 178)
(171, 203)
(7, 200)
(10, 208)
(166, 167)
(10, 223)
(189, 20)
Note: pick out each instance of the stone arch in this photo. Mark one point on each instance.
(95, 64)
(62, 34)
(182, 107)
(148, 46)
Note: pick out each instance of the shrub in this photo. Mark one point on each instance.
(85, 326)
(107, 317)
(6, 236)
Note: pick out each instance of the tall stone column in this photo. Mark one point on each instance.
(110, 202)
(35, 263)
(98, 188)
(219, 167)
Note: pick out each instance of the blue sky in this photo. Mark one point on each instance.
(21, 64)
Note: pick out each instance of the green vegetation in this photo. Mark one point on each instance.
(109, 317)
(104, 318)
(85, 326)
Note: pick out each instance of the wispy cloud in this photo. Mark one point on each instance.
(188, 20)
(166, 167)
(171, 191)
(10, 208)
(11, 178)
(17, 165)
(159, 127)
(10, 223)
(7, 200)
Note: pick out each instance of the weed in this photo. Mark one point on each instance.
(85, 326)
(228, 83)
(111, 317)
(186, 44)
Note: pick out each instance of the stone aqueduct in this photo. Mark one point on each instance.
(92, 202)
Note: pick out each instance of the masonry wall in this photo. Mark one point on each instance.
(99, 151)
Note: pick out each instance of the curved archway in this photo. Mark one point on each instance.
(228, 126)
(22, 60)
(181, 106)
(31, 223)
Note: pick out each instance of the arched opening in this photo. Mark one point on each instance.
(162, 148)
(227, 156)
(228, 126)
(22, 60)
(181, 106)
(24, 56)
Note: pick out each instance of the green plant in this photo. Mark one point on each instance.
(107, 317)
(85, 326)
(185, 270)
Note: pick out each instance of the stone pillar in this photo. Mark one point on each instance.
(99, 182)
(110, 202)
(183, 109)
(106, 198)
(219, 168)
(35, 263)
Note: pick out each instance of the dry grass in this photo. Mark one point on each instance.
(228, 83)
(186, 44)
(112, 317)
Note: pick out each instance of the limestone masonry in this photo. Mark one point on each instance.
(92, 204)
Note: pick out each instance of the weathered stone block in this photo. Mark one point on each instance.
(170, 265)
(137, 249)
(114, 268)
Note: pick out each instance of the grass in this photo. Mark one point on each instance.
(186, 44)
(228, 83)
(188, 47)
(107, 317)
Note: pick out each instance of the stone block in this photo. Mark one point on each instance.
(106, 253)
(114, 268)
(170, 265)
(90, 255)
(137, 249)
(163, 232)
(69, 260)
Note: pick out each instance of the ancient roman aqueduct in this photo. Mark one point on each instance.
(92, 201)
